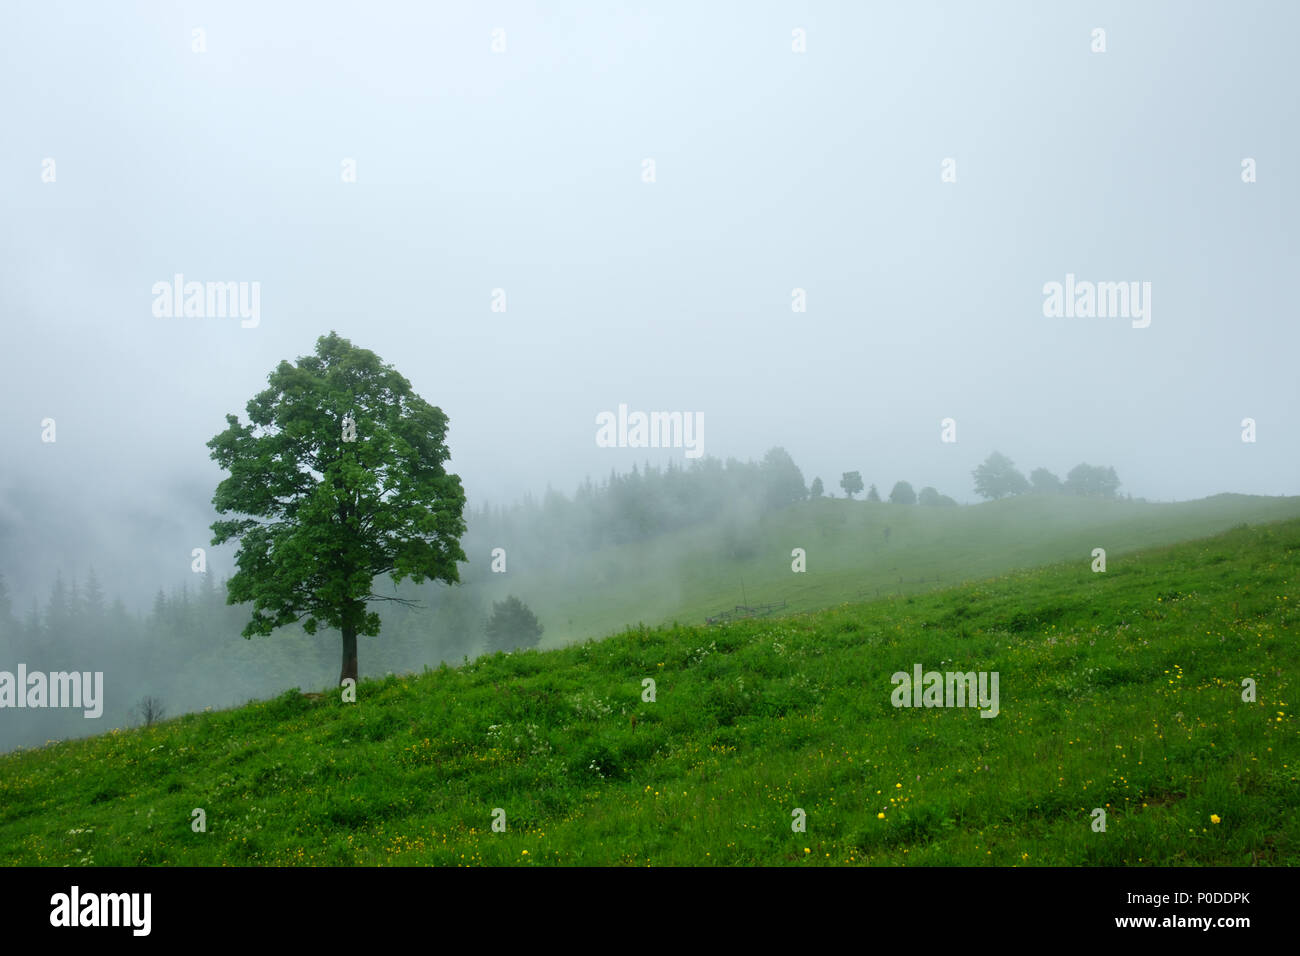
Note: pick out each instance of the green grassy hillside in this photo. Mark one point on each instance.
(1119, 690)
(690, 575)
(190, 654)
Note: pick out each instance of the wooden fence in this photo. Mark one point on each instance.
(742, 611)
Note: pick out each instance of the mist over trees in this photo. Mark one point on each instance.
(997, 477)
(902, 494)
(1043, 482)
(929, 497)
(512, 626)
(1092, 481)
(186, 652)
(645, 502)
(851, 482)
(781, 479)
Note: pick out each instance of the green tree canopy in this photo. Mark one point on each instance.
(338, 478)
(512, 625)
(1044, 482)
(1093, 481)
(851, 482)
(782, 480)
(997, 478)
(873, 494)
(902, 494)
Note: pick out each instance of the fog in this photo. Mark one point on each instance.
(136, 149)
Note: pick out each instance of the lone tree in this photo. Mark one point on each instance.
(998, 477)
(338, 478)
(1093, 481)
(851, 482)
(817, 490)
(512, 625)
(902, 494)
(150, 710)
(1044, 482)
(873, 494)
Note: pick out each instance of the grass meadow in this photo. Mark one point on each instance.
(1120, 690)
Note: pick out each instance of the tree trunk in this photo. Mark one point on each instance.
(349, 652)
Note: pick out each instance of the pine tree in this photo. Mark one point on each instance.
(93, 599)
(58, 621)
(6, 607)
(8, 628)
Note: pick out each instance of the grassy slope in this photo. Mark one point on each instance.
(1119, 690)
(690, 575)
(681, 577)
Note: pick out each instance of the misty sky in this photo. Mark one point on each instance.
(523, 170)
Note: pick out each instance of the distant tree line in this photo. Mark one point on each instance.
(901, 494)
(186, 653)
(998, 477)
(646, 502)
